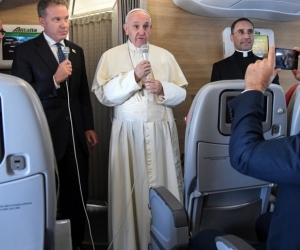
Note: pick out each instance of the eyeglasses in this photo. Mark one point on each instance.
(3, 32)
(242, 32)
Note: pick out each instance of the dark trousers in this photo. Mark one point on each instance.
(70, 200)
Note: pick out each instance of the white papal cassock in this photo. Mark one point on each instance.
(144, 149)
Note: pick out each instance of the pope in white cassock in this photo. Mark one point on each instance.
(144, 149)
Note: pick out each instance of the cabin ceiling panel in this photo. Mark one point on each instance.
(83, 7)
(265, 5)
(274, 10)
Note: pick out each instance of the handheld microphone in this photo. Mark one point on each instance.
(145, 51)
(66, 51)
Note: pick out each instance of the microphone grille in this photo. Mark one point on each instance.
(66, 50)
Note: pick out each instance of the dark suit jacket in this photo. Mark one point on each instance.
(276, 161)
(229, 69)
(35, 63)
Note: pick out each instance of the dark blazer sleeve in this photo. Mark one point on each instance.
(215, 74)
(276, 161)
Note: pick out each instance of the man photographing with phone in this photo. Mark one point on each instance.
(275, 161)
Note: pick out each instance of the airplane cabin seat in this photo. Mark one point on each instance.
(215, 192)
(27, 169)
(216, 196)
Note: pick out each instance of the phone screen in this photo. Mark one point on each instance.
(286, 58)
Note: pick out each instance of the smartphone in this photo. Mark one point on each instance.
(286, 58)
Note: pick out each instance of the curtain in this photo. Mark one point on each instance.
(94, 34)
(124, 6)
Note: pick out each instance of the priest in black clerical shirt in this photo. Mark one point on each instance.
(234, 66)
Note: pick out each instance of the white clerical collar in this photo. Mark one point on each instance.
(245, 52)
(132, 47)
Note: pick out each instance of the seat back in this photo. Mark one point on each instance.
(216, 195)
(293, 109)
(289, 93)
(27, 163)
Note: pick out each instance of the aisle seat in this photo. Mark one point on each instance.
(216, 196)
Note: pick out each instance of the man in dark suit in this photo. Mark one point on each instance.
(234, 66)
(65, 96)
(276, 161)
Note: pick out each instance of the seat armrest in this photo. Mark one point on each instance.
(232, 242)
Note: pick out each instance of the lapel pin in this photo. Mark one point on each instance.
(74, 51)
